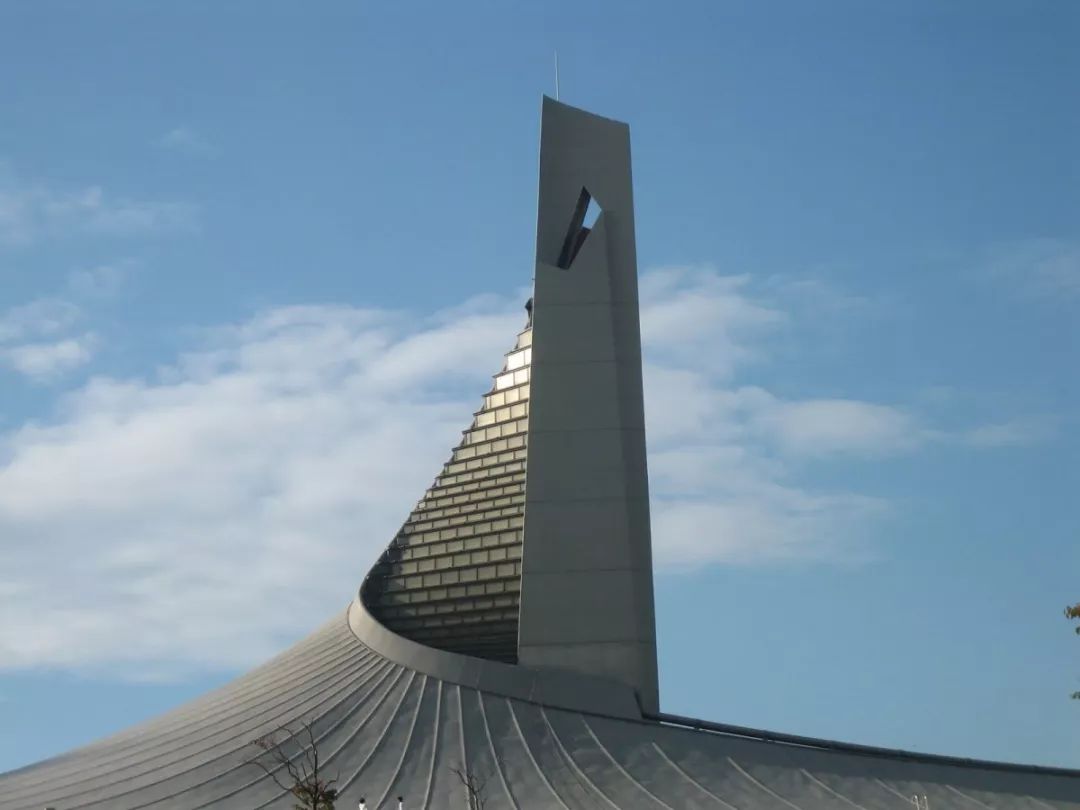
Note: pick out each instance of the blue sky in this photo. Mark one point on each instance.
(249, 251)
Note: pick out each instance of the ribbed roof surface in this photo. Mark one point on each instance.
(388, 730)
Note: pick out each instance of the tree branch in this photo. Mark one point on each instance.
(293, 765)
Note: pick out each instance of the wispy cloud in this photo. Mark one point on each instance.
(188, 141)
(48, 337)
(38, 318)
(30, 211)
(252, 471)
(829, 426)
(1013, 433)
(694, 318)
(99, 281)
(209, 488)
(43, 361)
(1042, 267)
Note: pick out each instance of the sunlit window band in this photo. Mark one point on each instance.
(451, 578)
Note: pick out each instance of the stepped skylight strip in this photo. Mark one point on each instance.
(451, 578)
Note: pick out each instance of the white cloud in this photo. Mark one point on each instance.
(720, 455)
(785, 526)
(38, 318)
(827, 426)
(186, 140)
(32, 211)
(48, 359)
(195, 519)
(36, 339)
(692, 317)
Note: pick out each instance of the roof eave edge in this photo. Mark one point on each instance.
(548, 687)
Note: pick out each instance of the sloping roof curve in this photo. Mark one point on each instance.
(507, 631)
(394, 720)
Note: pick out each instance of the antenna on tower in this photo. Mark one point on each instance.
(556, 75)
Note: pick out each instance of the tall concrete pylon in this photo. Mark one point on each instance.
(587, 586)
(548, 493)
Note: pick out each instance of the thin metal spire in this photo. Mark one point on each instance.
(556, 75)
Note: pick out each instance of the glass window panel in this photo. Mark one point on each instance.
(517, 359)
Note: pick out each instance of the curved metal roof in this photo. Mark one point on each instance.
(387, 729)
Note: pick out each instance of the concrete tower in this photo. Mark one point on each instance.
(587, 589)
(533, 546)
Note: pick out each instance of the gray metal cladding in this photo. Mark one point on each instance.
(385, 730)
(451, 578)
(586, 584)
